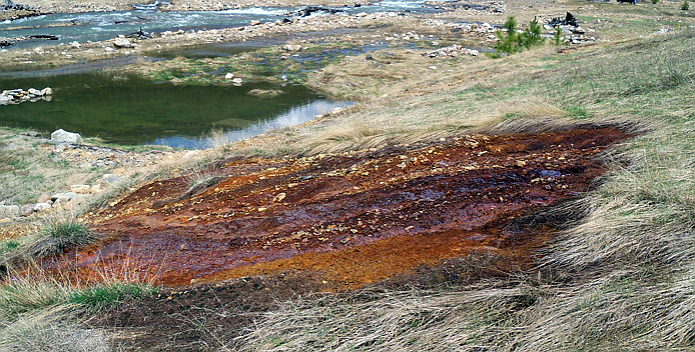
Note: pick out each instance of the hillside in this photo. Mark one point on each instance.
(539, 200)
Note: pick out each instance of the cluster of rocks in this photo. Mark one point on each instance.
(452, 51)
(61, 201)
(572, 33)
(5, 42)
(568, 20)
(121, 42)
(66, 53)
(17, 96)
(310, 10)
(484, 30)
(198, 5)
(68, 146)
(88, 156)
(9, 5)
(575, 39)
(237, 81)
(479, 7)
(79, 6)
(408, 36)
(139, 34)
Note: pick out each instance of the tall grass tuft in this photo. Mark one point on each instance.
(59, 235)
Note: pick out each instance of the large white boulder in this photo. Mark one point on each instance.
(66, 137)
(123, 43)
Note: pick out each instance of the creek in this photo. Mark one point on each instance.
(134, 111)
(96, 26)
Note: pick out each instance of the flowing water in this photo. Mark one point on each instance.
(96, 26)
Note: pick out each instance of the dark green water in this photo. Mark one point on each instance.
(130, 110)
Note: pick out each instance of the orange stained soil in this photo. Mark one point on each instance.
(355, 217)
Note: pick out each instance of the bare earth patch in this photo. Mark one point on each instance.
(345, 216)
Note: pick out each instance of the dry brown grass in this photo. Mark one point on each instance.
(620, 278)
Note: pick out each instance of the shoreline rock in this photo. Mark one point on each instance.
(18, 96)
(64, 136)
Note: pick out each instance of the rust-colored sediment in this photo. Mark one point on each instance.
(355, 217)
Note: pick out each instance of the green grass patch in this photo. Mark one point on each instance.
(8, 246)
(109, 296)
(577, 112)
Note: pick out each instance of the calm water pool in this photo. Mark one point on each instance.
(131, 110)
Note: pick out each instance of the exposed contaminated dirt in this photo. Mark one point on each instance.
(354, 218)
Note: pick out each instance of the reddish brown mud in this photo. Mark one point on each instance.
(355, 218)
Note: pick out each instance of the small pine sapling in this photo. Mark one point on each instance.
(557, 36)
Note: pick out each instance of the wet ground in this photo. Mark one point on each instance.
(351, 218)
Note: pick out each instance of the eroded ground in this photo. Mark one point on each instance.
(352, 218)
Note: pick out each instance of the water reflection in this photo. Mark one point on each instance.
(295, 116)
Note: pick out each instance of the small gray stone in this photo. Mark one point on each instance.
(27, 209)
(291, 47)
(9, 211)
(63, 197)
(47, 91)
(43, 198)
(42, 206)
(110, 180)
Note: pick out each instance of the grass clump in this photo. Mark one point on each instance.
(8, 246)
(59, 235)
(685, 5)
(41, 312)
(109, 296)
(265, 93)
(199, 181)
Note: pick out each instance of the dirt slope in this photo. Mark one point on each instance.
(354, 218)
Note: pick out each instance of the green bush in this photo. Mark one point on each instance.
(514, 41)
(508, 43)
(655, 2)
(532, 35)
(685, 5)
